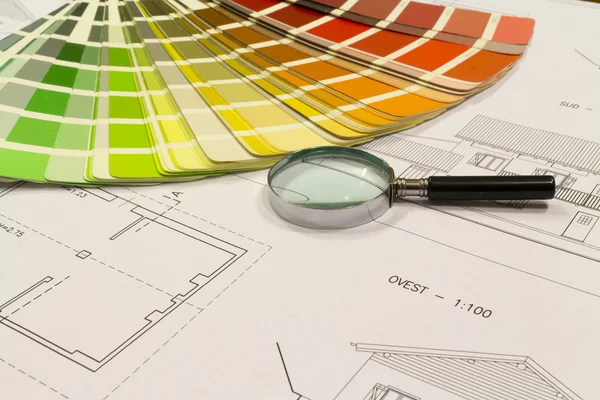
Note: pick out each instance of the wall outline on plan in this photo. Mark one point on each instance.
(145, 212)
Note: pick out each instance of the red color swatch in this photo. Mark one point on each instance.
(432, 55)
(481, 66)
(384, 43)
(379, 9)
(467, 23)
(338, 30)
(420, 15)
(257, 5)
(514, 30)
(296, 16)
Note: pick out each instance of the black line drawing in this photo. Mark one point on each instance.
(579, 3)
(580, 227)
(165, 292)
(300, 397)
(567, 151)
(595, 63)
(419, 154)
(409, 373)
(468, 375)
(490, 162)
(47, 279)
(491, 146)
(10, 188)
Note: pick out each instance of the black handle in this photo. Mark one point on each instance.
(537, 187)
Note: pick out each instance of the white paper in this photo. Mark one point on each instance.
(199, 291)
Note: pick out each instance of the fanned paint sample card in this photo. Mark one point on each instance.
(149, 91)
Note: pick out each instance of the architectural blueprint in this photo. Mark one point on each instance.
(399, 373)
(199, 291)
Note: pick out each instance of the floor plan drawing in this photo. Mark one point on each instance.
(112, 287)
(407, 373)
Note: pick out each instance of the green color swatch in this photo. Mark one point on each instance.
(48, 102)
(61, 76)
(36, 132)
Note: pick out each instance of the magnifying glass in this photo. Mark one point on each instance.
(343, 187)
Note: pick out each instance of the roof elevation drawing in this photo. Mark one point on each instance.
(405, 373)
(410, 373)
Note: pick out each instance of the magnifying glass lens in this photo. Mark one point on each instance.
(330, 180)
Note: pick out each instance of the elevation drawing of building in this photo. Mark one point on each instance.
(490, 146)
(406, 373)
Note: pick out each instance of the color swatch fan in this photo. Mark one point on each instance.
(143, 92)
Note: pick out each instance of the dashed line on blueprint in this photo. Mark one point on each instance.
(35, 298)
(32, 378)
(183, 327)
(194, 216)
(93, 259)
